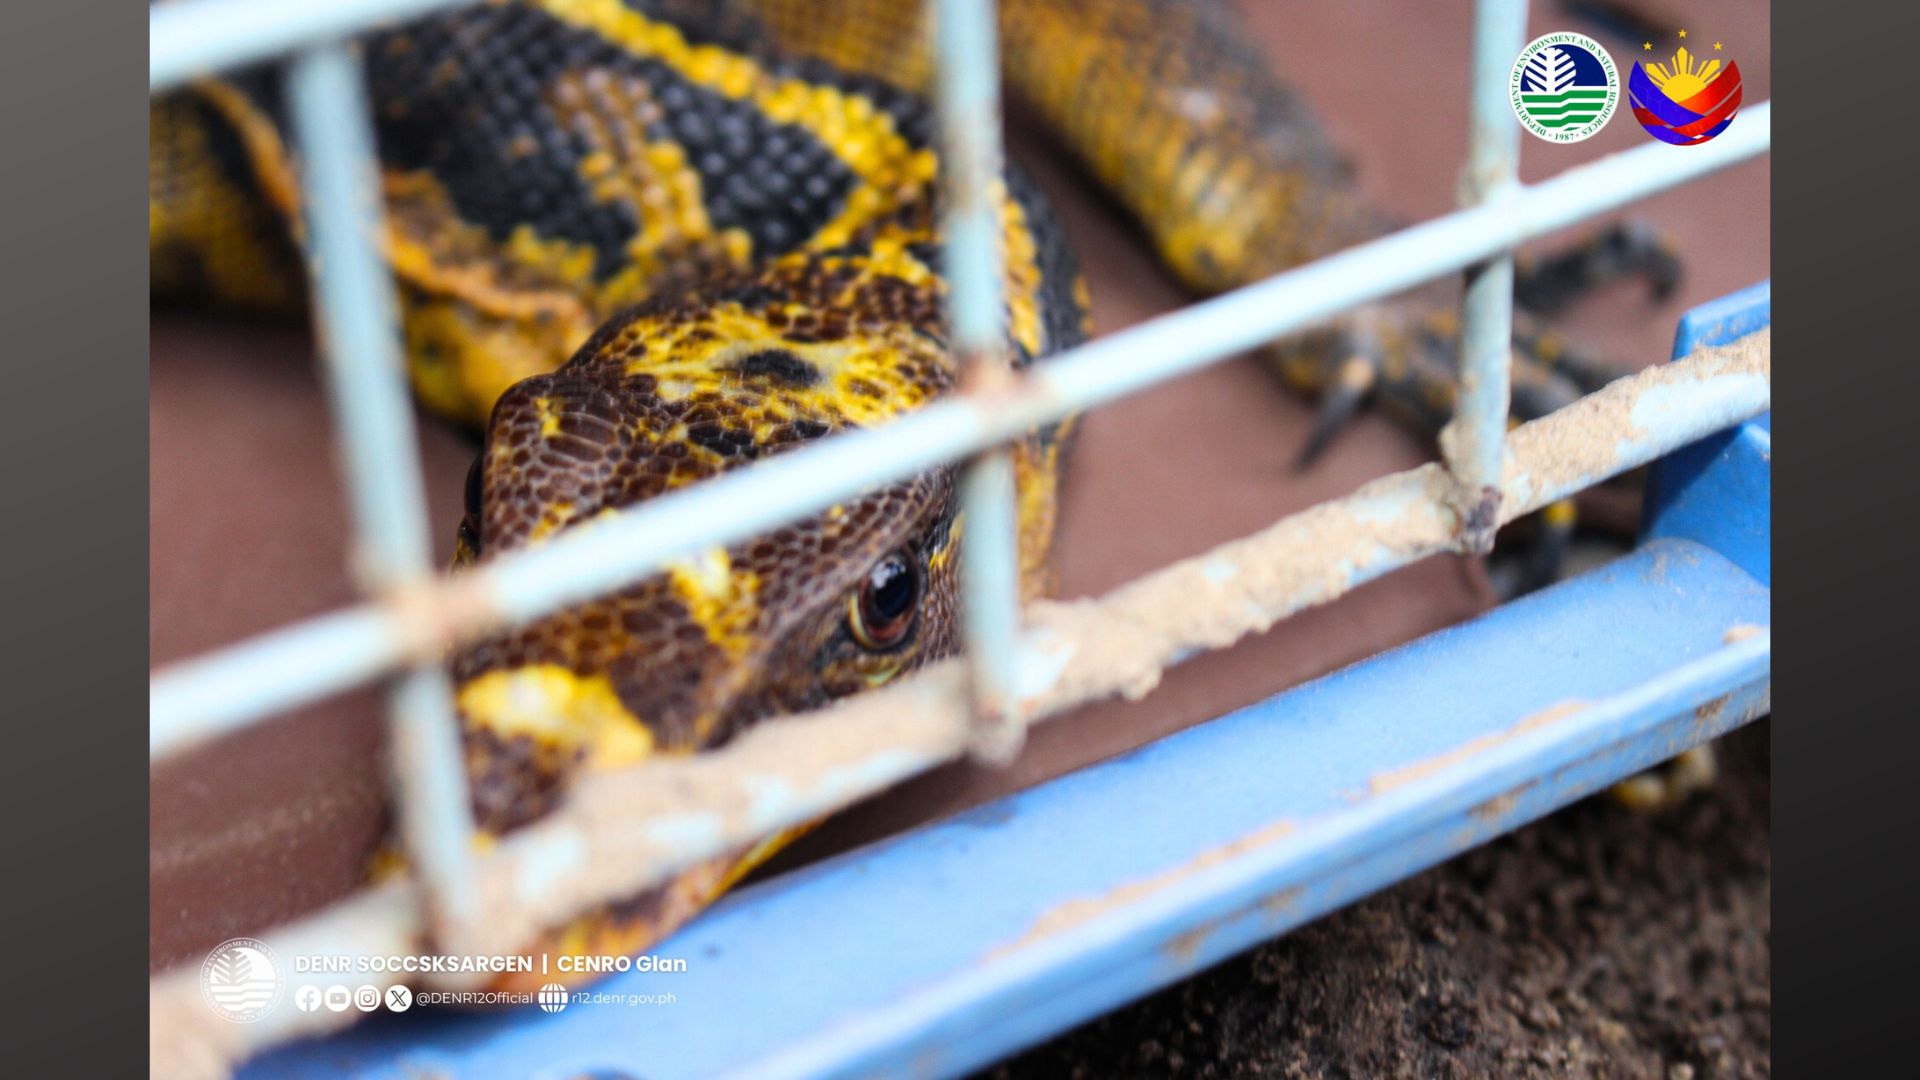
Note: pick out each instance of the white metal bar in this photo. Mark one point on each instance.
(968, 95)
(608, 554)
(194, 38)
(1474, 440)
(200, 700)
(990, 604)
(379, 449)
(358, 319)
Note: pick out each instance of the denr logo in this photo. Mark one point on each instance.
(241, 980)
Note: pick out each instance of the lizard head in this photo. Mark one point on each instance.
(662, 396)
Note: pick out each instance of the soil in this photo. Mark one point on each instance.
(1596, 943)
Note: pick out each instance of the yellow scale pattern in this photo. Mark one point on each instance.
(844, 331)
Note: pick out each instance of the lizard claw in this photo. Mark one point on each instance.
(1352, 383)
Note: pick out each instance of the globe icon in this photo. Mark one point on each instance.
(553, 997)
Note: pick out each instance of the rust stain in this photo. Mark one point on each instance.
(1500, 806)
(434, 615)
(1281, 904)
(1387, 780)
(1495, 808)
(1709, 712)
(1080, 910)
(1275, 908)
(1603, 428)
(1741, 632)
(1186, 946)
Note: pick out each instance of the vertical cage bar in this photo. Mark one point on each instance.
(990, 603)
(1475, 440)
(968, 95)
(373, 415)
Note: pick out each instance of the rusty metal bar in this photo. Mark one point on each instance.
(967, 90)
(1473, 440)
(620, 831)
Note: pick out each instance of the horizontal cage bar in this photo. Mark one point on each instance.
(207, 696)
(621, 830)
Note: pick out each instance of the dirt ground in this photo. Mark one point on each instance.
(1596, 943)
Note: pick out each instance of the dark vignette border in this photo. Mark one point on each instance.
(1845, 519)
(73, 283)
(73, 289)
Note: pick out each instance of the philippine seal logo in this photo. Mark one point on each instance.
(1685, 102)
(1564, 87)
(241, 980)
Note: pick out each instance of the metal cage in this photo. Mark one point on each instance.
(1263, 844)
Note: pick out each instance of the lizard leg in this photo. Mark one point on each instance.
(1406, 365)
(1625, 249)
(1548, 374)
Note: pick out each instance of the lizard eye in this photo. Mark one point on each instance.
(881, 612)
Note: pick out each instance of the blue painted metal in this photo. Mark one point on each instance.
(1719, 490)
(942, 949)
(959, 942)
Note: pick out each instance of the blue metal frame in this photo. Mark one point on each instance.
(1718, 490)
(947, 947)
